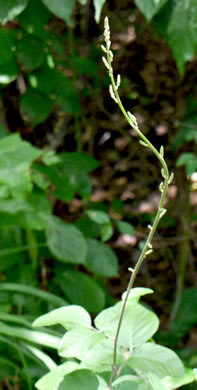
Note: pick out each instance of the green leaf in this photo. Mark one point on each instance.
(182, 30)
(139, 324)
(81, 289)
(6, 46)
(9, 9)
(155, 382)
(101, 260)
(34, 17)
(35, 292)
(156, 359)
(100, 356)
(80, 379)
(77, 342)
(107, 232)
(30, 52)
(137, 292)
(98, 5)
(185, 159)
(98, 216)
(61, 8)
(186, 316)
(31, 336)
(175, 382)
(149, 8)
(66, 242)
(35, 106)
(16, 157)
(78, 162)
(53, 379)
(8, 72)
(125, 227)
(128, 382)
(195, 373)
(68, 316)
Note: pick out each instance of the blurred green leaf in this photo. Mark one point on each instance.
(61, 8)
(182, 30)
(7, 368)
(98, 5)
(83, 379)
(98, 216)
(125, 227)
(16, 157)
(107, 232)
(52, 380)
(186, 316)
(30, 52)
(9, 9)
(34, 17)
(101, 260)
(8, 71)
(66, 242)
(149, 8)
(81, 289)
(35, 106)
(6, 46)
(155, 382)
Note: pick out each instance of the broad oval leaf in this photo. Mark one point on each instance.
(81, 289)
(78, 341)
(149, 8)
(68, 317)
(156, 359)
(61, 8)
(101, 260)
(53, 379)
(155, 382)
(139, 324)
(66, 242)
(80, 379)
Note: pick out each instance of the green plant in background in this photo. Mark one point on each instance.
(121, 337)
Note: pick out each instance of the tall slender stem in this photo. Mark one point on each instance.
(163, 186)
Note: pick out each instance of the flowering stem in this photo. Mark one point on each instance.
(113, 89)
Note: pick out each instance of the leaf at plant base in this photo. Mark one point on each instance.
(53, 379)
(61, 8)
(98, 5)
(34, 17)
(156, 359)
(128, 382)
(81, 289)
(30, 52)
(16, 157)
(155, 382)
(186, 158)
(66, 242)
(125, 227)
(149, 8)
(77, 342)
(139, 324)
(137, 292)
(35, 106)
(9, 9)
(186, 316)
(80, 379)
(101, 260)
(68, 316)
(172, 383)
(98, 216)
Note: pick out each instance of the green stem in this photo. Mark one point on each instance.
(156, 220)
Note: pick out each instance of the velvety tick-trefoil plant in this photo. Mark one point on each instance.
(118, 350)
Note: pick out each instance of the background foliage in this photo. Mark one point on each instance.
(76, 191)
